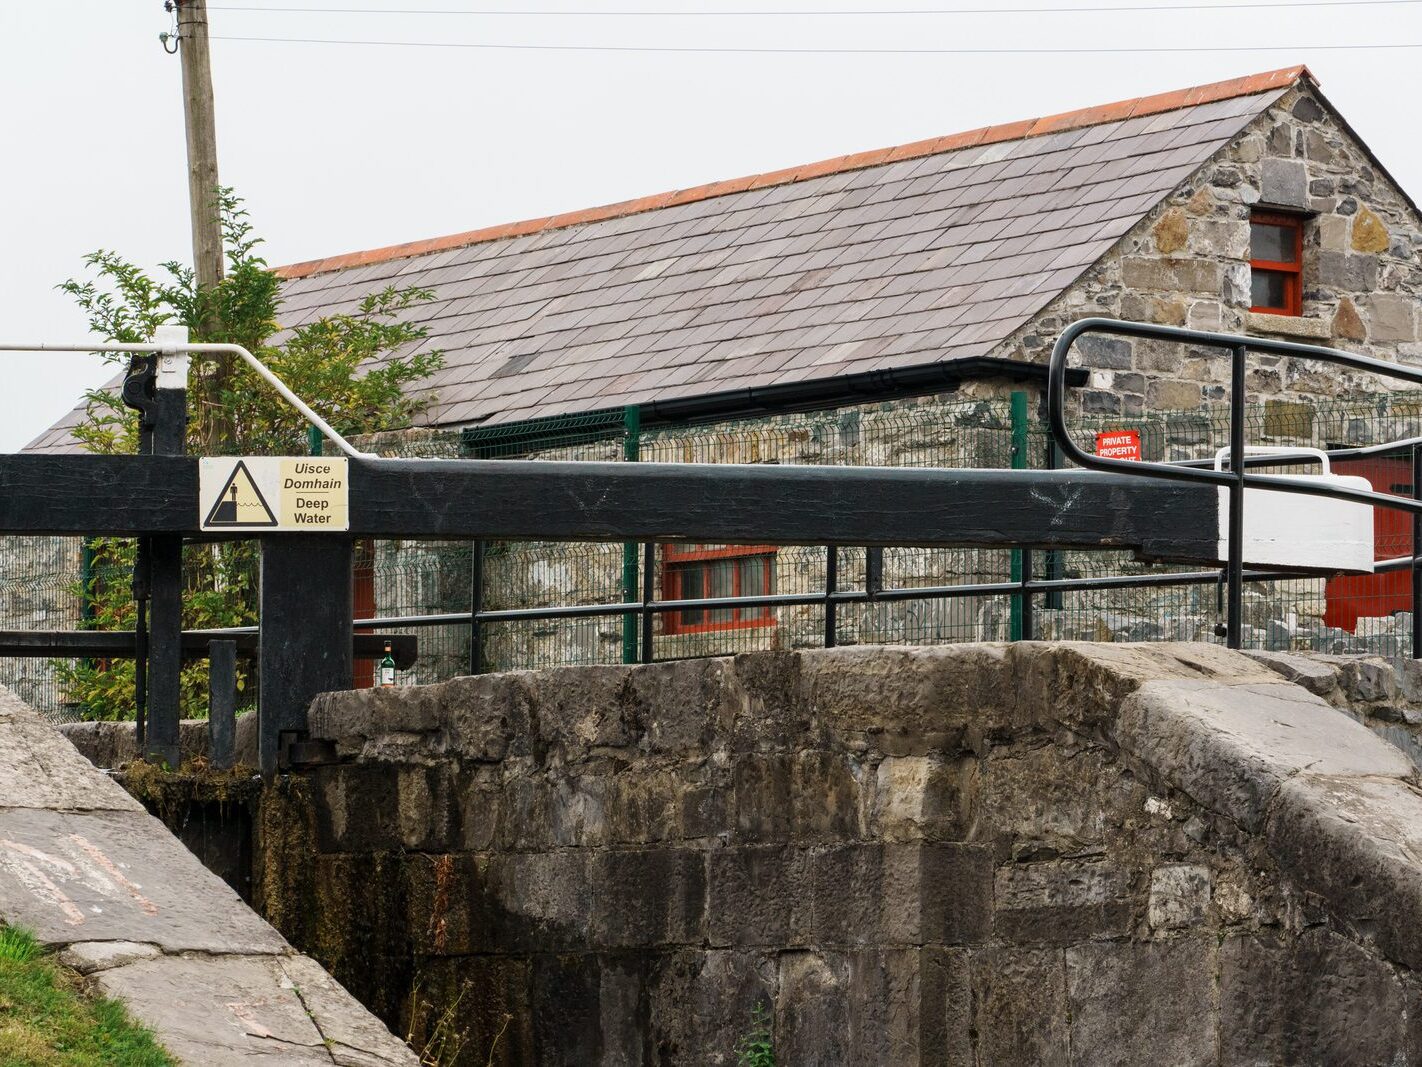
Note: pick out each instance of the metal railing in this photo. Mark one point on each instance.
(1237, 479)
(493, 616)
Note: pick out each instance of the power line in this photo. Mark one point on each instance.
(516, 47)
(563, 13)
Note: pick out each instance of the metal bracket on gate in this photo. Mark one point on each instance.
(140, 385)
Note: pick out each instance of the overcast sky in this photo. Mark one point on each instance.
(338, 147)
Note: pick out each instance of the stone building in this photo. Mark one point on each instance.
(883, 308)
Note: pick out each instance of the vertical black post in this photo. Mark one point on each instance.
(649, 577)
(305, 643)
(476, 606)
(1017, 607)
(1234, 565)
(631, 453)
(873, 571)
(140, 641)
(1055, 561)
(831, 587)
(138, 394)
(222, 704)
(1416, 552)
(165, 559)
(165, 651)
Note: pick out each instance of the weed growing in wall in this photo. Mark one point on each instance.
(757, 1047)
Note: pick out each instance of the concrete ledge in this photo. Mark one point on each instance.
(244, 1009)
(1231, 747)
(97, 878)
(112, 744)
(1292, 326)
(39, 770)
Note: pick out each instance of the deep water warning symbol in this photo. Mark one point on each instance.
(274, 494)
(240, 502)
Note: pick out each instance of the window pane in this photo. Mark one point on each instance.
(1268, 241)
(1269, 289)
(752, 575)
(723, 577)
(687, 583)
(755, 582)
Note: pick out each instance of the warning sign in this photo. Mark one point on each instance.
(264, 494)
(1119, 444)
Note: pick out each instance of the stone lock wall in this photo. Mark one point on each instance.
(1024, 854)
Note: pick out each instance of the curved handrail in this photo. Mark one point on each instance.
(207, 348)
(1239, 346)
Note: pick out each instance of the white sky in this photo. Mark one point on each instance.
(341, 147)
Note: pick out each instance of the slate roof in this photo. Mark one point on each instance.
(925, 253)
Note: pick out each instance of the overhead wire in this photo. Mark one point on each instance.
(816, 50)
(1248, 5)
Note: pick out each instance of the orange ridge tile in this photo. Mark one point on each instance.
(1173, 100)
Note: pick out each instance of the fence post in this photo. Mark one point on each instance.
(165, 576)
(1056, 567)
(1416, 551)
(873, 571)
(314, 441)
(631, 452)
(1234, 565)
(1019, 607)
(831, 586)
(86, 587)
(649, 580)
(476, 606)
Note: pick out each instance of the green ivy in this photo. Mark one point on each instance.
(360, 369)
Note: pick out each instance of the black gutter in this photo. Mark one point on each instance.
(847, 389)
(841, 391)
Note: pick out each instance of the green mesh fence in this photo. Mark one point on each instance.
(403, 578)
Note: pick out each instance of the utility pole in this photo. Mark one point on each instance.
(201, 127)
(202, 140)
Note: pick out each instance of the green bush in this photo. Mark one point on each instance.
(345, 365)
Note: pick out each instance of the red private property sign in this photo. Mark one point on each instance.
(1119, 444)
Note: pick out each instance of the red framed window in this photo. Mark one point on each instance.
(700, 572)
(1276, 263)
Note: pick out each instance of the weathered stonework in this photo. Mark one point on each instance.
(1018, 854)
(1187, 263)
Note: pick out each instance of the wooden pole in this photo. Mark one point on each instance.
(202, 140)
(201, 127)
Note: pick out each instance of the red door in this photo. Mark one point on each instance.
(1361, 595)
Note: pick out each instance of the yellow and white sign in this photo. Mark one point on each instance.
(266, 494)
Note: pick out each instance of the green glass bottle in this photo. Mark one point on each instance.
(387, 668)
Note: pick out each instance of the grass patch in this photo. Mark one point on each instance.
(46, 1020)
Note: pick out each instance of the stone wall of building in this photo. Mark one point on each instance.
(1026, 854)
(1187, 264)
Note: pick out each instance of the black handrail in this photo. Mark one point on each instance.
(1237, 478)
